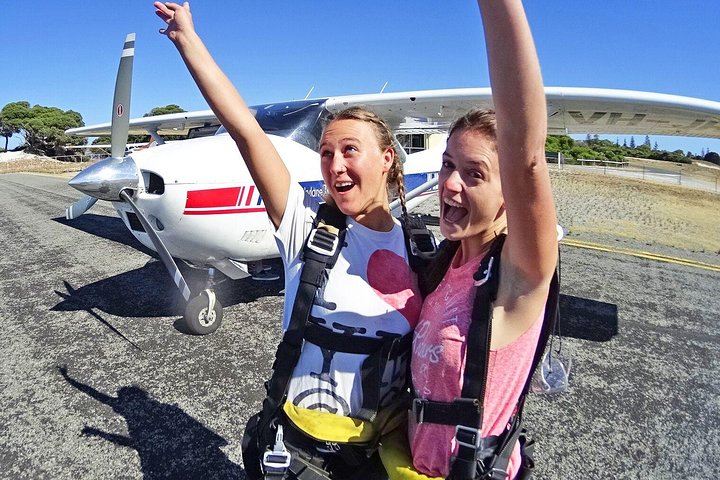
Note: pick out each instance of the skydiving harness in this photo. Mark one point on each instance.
(284, 450)
(486, 457)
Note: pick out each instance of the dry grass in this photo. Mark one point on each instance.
(34, 164)
(647, 212)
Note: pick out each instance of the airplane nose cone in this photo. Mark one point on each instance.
(107, 178)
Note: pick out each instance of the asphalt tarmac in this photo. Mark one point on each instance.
(98, 380)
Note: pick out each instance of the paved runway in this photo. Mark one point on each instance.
(98, 381)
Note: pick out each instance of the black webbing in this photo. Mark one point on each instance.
(480, 331)
(476, 357)
(311, 279)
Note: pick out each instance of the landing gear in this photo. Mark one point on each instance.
(204, 313)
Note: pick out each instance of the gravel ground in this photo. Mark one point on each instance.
(97, 379)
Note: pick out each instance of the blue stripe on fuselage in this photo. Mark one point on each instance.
(316, 189)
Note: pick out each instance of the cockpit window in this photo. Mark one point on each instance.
(301, 121)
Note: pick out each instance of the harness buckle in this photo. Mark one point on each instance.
(487, 273)
(277, 460)
(418, 409)
(323, 241)
(422, 243)
(464, 435)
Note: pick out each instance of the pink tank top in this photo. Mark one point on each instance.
(438, 363)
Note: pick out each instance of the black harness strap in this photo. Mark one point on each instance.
(488, 457)
(379, 352)
(487, 280)
(320, 252)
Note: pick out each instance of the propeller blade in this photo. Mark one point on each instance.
(79, 207)
(160, 248)
(120, 123)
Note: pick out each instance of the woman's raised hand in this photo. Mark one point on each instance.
(176, 16)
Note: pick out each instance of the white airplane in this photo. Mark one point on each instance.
(195, 200)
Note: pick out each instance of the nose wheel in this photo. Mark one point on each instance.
(204, 313)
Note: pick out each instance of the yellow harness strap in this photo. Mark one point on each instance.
(328, 427)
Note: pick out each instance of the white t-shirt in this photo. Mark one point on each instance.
(371, 288)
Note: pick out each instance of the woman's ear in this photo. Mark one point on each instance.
(388, 159)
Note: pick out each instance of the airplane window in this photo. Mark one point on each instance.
(204, 131)
(301, 121)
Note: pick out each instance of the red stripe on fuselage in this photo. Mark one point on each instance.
(217, 197)
(251, 190)
(224, 211)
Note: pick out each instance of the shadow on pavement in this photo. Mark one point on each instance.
(111, 228)
(587, 319)
(149, 291)
(169, 442)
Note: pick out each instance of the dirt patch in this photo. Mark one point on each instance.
(650, 213)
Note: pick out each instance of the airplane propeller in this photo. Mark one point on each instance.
(116, 177)
(120, 126)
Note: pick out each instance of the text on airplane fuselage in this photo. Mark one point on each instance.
(617, 118)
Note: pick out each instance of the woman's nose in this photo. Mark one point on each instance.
(453, 182)
(337, 164)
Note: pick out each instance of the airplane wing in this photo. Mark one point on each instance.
(570, 110)
(168, 124)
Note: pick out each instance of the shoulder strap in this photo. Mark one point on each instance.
(320, 252)
(487, 281)
(419, 242)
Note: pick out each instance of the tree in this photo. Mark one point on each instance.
(43, 128)
(7, 131)
(655, 147)
(647, 141)
(632, 142)
(712, 157)
(172, 108)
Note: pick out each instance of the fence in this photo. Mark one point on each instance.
(603, 163)
(708, 183)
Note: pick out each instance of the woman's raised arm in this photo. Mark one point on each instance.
(521, 112)
(263, 161)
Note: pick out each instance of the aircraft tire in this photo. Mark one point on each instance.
(197, 320)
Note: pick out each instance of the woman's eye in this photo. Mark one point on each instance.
(476, 174)
(325, 154)
(350, 148)
(446, 165)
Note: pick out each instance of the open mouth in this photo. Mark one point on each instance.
(342, 187)
(453, 212)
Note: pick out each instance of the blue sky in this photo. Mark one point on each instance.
(65, 54)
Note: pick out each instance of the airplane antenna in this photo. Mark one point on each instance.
(308, 94)
(383, 88)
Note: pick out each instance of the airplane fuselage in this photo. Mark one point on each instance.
(202, 202)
